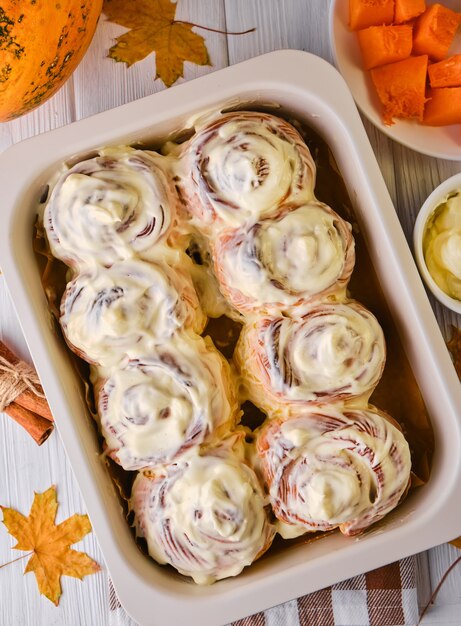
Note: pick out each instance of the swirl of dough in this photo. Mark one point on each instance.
(278, 265)
(205, 516)
(243, 166)
(107, 208)
(158, 407)
(335, 352)
(331, 469)
(127, 308)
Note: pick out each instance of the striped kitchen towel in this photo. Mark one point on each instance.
(386, 596)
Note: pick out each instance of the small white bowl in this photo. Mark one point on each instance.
(436, 198)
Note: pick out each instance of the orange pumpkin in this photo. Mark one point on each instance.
(41, 44)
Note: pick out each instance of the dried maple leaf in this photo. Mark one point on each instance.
(454, 346)
(153, 28)
(456, 543)
(50, 543)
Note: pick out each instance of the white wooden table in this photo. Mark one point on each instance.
(100, 84)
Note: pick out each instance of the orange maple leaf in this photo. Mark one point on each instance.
(153, 28)
(456, 543)
(50, 543)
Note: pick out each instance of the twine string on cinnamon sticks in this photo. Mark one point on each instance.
(15, 380)
(22, 397)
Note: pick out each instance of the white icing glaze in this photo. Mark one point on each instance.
(110, 207)
(127, 309)
(158, 407)
(205, 516)
(282, 263)
(206, 285)
(243, 166)
(166, 397)
(332, 468)
(336, 351)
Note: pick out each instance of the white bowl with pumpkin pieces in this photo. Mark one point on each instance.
(437, 242)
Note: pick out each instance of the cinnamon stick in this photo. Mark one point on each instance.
(27, 399)
(37, 426)
(29, 408)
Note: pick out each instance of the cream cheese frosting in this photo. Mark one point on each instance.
(442, 246)
(333, 468)
(226, 224)
(212, 301)
(243, 166)
(205, 516)
(127, 309)
(159, 406)
(107, 208)
(281, 264)
(335, 352)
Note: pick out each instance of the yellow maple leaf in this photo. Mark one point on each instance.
(153, 28)
(50, 543)
(456, 543)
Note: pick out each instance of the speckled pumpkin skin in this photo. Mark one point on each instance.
(41, 43)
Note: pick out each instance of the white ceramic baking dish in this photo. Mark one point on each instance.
(313, 91)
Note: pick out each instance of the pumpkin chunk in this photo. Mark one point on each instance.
(446, 73)
(434, 31)
(443, 107)
(408, 9)
(364, 13)
(401, 88)
(384, 44)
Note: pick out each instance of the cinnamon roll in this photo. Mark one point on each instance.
(110, 207)
(245, 165)
(281, 264)
(158, 407)
(335, 352)
(127, 309)
(206, 516)
(332, 469)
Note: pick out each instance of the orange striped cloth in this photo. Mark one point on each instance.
(387, 596)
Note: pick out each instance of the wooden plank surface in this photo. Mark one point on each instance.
(100, 84)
